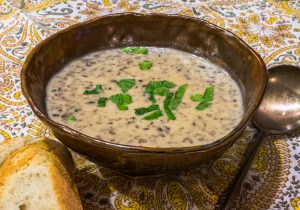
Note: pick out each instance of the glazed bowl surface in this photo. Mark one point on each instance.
(128, 29)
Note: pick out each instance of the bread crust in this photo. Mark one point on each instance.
(10, 145)
(59, 162)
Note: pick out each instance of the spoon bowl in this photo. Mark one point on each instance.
(279, 111)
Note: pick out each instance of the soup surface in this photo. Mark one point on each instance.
(67, 104)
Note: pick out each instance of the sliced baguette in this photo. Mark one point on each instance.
(10, 145)
(39, 176)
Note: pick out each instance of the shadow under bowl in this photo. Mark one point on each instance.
(129, 29)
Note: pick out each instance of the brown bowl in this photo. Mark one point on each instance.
(120, 30)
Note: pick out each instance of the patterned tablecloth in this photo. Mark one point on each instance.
(271, 27)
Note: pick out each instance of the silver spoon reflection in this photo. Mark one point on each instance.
(278, 113)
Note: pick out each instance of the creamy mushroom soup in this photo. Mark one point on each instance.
(153, 97)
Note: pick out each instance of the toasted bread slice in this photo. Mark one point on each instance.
(10, 145)
(39, 176)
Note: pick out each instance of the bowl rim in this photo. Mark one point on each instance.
(132, 148)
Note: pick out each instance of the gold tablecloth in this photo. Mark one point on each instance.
(271, 27)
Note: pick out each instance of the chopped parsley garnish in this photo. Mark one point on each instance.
(209, 93)
(145, 65)
(154, 88)
(126, 84)
(121, 100)
(196, 97)
(153, 115)
(151, 86)
(178, 96)
(102, 102)
(168, 84)
(206, 100)
(71, 118)
(136, 50)
(162, 88)
(158, 88)
(167, 108)
(98, 89)
(144, 110)
(203, 106)
(161, 91)
(152, 98)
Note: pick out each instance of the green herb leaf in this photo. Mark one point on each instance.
(121, 100)
(209, 93)
(178, 96)
(168, 84)
(123, 107)
(167, 109)
(207, 98)
(153, 115)
(144, 110)
(151, 86)
(126, 84)
(136, 50)
(145, 65)
(203, 106)
(196, 97)
(71, 118)
(161, 91)
(158, 88)
(98, 89)
(77, 110)
(102, 102)
(127, 99)
(152, 98)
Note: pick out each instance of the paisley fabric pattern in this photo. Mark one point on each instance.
(271, 27)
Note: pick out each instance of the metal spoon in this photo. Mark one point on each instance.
(278, 113)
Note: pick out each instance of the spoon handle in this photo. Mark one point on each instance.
(226, 199)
